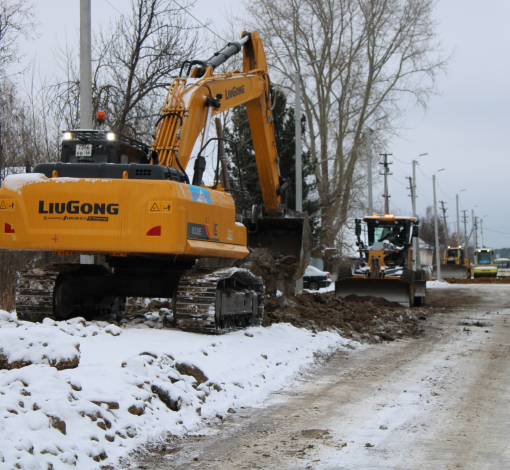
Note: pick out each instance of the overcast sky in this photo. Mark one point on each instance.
(464, 130)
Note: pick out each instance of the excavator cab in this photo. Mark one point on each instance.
(97, 146)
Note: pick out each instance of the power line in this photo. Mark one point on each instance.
(430, 179)
(114, 8)
(405, 163)
(197, 20)
(496, 231)
(452, 198)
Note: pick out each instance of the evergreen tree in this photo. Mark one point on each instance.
(285, 142)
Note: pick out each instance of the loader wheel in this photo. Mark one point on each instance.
(344, 271)
(408, 276)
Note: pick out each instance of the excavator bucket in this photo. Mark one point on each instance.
(453, 271)
(288, 239)
(394, 290)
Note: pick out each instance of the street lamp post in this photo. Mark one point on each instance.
(416, 241)
(458, 213)
(436, 230)
(299, 171)
(369, 133)
(297, 104)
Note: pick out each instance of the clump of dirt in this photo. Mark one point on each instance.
(275, 269)
(369, 319)
(478, 280)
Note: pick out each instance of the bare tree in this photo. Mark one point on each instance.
(133, 63)
(359, 60)
(28, 136)
(16, 19)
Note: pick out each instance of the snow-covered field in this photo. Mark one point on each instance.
(131, 386)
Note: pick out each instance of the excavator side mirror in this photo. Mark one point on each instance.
(416, 231)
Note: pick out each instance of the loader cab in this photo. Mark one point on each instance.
(99, 146)
(454, 255)
(396, 231)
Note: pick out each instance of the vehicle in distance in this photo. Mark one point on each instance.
(314, 278)
(503, 265)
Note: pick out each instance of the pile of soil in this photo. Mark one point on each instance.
(369, 319)
(478, 280)
(276, 270)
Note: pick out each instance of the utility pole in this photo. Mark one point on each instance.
(299, 173)
(85, 66)
(386, 170)
(458, 216)
(416, 243)
(85, 81)
(464, 219)
(369, 172)
(481, 231)
(413, 192)
(475, 229)
(438, 262)
(443, 208)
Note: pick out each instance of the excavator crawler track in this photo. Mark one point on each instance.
(34, 294)
(216, 302)
(61, 291)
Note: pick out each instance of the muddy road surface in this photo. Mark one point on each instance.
(438, 401)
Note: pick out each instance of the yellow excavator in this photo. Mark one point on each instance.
(455, 264)
(385, 265)
(161, 235)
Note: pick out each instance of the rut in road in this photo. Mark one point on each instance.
(437, 402)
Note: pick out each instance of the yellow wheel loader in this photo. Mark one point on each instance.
(385, 266)
(161, 234)
(484, 263)
(455, 264)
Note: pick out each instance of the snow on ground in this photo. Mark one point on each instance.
(133, 386)
(322, 290)
(437, 284)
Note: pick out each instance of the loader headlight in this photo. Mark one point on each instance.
(111, 136)
(68, 136)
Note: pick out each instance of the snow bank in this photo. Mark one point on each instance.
(437, 284)
(135, 387)
(27, 344)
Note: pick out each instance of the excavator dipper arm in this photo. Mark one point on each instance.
(192, 102)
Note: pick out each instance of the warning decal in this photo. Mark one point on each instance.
(7, 205)
(160, 206)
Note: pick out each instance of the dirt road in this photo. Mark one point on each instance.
(441, 401)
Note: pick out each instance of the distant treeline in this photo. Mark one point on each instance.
(502, 252)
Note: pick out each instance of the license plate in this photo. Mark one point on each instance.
(83, 150)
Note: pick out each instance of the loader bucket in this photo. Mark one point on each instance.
(286, 243)
(393, 290)
(453, 271)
